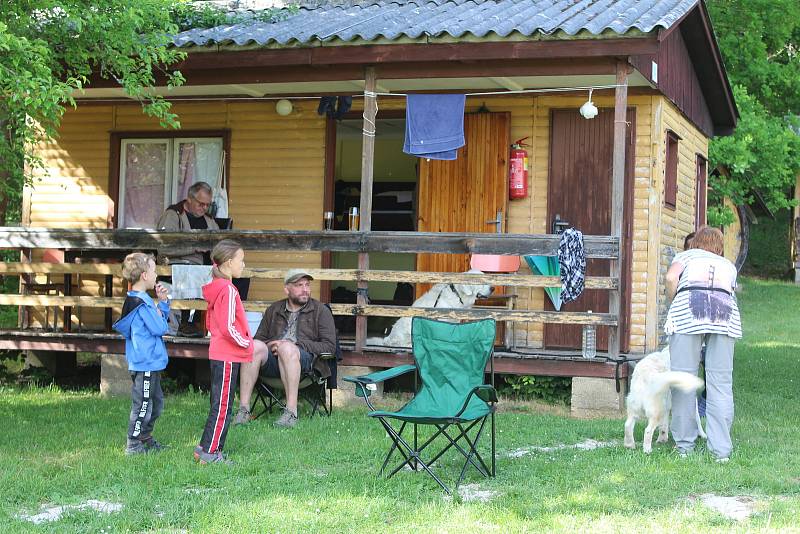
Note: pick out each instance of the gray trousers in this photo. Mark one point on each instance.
(147, 401)
(684, 352)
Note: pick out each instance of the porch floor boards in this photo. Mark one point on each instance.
(526, 361)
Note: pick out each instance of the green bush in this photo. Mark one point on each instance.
(551, 389)
(769, 246)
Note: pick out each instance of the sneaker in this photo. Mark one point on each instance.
(242, 416)
(153, 445)
(723, 460)
(286, 420)
(204, 458)
(135, 447)
(189, 330)
(683, 453)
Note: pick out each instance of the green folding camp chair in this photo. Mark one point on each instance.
(450, 362)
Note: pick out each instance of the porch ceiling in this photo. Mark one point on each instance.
(257, 90)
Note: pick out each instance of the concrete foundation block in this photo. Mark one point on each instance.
(344, 394)
(597, 397)
(58, 363)
(115, 380)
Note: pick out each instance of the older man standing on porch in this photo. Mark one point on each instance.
(296, 330)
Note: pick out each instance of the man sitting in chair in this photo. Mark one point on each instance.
(295, 329)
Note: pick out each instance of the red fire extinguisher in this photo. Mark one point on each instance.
(518, 170)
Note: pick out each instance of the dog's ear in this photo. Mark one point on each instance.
(466, 289)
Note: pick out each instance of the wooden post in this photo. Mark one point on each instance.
(365, 210)
(618, 201)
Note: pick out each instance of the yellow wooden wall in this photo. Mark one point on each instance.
(673, 224)
(277, 175)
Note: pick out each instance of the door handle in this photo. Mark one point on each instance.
(498, 222)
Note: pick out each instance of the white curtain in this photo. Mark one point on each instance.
(144, 181)
(197, 161)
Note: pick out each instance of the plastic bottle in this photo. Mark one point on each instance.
(589, 341)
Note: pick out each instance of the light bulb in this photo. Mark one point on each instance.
(283, 107)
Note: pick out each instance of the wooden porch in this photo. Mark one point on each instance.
(115, 243)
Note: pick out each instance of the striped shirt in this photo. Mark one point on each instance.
(698, 311)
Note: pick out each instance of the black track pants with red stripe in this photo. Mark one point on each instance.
(224, 377)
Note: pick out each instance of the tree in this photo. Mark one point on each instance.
(49, 49)
(760, 45)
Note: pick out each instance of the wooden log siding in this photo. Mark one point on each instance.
(367, 310)
(352, 275)
(604, 247)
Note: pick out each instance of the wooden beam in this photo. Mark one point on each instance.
(531, 365)
(358, 310)
(404, 53)
(618, 197)
(369, 130)
(350, 275)
(507, 363)
(602, 247)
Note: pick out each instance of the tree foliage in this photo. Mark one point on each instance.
(760, 45)
(49, 49)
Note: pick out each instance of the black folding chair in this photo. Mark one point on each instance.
(315, 389)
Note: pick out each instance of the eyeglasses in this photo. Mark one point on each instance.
(201, 204)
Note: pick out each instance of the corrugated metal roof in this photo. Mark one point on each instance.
(372, 20)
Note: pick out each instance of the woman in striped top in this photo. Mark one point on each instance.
(701, 285)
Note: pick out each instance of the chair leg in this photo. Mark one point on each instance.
(267, 398)
(399, 444)
(494, 459)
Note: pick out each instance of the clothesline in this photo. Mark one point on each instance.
(375, 94)
(513, 92)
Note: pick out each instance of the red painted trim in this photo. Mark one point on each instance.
(327, 56)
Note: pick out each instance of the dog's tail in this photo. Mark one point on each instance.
(686, 382)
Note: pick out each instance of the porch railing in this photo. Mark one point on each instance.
(108, 241)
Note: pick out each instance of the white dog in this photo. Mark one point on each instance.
(650, 397)
(439, 296)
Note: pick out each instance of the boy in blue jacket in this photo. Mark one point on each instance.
(142, 324)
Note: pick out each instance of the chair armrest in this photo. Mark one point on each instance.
(381, 376)
(485, 392)
(364, 381)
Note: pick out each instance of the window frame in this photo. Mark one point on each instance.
(701, 191)
(115, 164)
(671, 163)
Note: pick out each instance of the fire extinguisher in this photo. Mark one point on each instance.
(518, 170)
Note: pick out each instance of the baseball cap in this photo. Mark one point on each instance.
(293, 275)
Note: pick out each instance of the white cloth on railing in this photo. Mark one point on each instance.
(188, 281)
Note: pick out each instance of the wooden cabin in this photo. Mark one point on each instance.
(637, 172)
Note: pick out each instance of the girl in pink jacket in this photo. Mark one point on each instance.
(231, 345)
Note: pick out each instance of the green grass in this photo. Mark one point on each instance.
(66, 447)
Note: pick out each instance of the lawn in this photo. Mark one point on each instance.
(65, 448)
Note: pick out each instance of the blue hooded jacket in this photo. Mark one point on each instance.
(142, 326)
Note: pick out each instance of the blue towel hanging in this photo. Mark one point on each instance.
(434, 125)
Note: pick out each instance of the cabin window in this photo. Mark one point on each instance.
(671, 170)
(157, 172)
(701, 191)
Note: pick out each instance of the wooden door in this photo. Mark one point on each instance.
(579, 191)
(463, 194)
